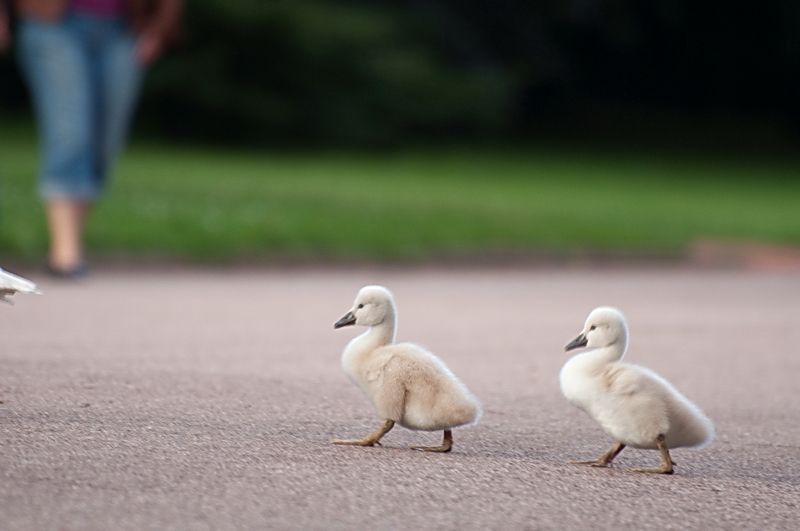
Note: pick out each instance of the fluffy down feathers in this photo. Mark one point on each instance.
(632, 404)
(404, 382)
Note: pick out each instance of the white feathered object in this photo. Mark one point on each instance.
(407, 384)
(11, 284)
(633, 405)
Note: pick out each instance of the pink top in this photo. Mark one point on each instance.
(100, 8)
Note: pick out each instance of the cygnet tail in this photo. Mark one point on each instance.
(458, 411)
(471, 411)
(689, 426)
(449, 411)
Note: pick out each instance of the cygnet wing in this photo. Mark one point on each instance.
(11, 284)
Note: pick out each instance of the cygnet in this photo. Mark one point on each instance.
(634, 405)
(406, 384)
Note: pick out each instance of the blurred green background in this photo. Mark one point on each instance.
(439, 129)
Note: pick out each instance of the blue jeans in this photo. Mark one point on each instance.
(84, 82)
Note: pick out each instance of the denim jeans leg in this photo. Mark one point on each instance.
(120, 82)
(85, 82)
(57, 72)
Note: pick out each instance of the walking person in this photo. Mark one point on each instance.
(83, 61)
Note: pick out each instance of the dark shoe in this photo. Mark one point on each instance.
(77, 273)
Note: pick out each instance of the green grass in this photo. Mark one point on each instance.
(216, 205)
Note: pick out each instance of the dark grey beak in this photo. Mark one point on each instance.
(578, 342)
(347, 320)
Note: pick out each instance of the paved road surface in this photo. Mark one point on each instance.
(207, 400)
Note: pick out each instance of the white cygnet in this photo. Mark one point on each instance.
(406, 384)
(11, 284)
(634, 405)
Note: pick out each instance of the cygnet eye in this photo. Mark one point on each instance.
(592, 328)
(360, 306)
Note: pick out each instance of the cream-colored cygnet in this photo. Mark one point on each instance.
(11, 284)
(407, 384)
(634, 405)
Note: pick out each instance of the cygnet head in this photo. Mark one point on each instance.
(373, 306)
(604, 327)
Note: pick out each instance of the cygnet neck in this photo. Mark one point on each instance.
(608, 354)
(381, 334)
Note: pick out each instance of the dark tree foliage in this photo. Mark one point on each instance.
(359, 73)
(382, 72)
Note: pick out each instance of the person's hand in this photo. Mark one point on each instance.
(5, 30)
(148, 49)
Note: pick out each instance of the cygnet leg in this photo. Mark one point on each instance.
(447, 444)
(605, 459)
(373, 438)
(666, 460)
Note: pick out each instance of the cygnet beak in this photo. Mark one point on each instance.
(349, 319)
(578, 342)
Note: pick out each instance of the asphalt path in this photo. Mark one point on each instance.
(207, 400)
